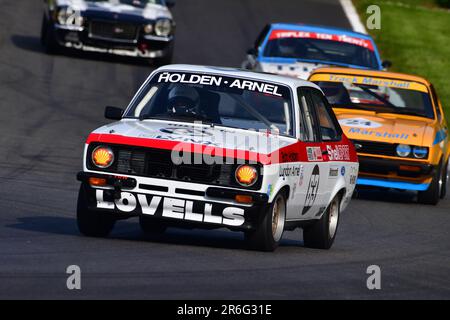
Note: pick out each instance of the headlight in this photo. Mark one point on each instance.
(420, 152)
(246, 175)
(163, 27)
(148, 28)
(68, 16)
(102, 157)
(403, 150)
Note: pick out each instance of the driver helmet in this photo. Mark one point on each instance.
(286, 47)
(183, 99)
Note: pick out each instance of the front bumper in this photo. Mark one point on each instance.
(397, 174)
(177, 203)
(146, 46)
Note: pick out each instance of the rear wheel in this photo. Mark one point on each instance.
(322, 233)
(150, 225)
(434, 191)
(92, 223)
(269, 231)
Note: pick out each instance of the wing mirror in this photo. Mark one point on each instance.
(386, 64)
(113, 113)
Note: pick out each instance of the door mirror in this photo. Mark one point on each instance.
(386, 64)
(113, 113)
(170, 3)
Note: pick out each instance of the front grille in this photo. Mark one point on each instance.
(113, 31)
(131, 162)
(375, 148)
(157, 163)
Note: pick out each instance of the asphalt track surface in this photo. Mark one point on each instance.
(49, 104)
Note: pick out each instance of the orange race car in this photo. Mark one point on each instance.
(397, 125)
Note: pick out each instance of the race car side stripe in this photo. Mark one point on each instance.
(295, 152)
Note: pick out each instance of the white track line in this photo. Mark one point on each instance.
(352, 16)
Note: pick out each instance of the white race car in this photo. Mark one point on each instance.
(215, 147)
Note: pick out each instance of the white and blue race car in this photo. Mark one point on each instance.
(297, 49)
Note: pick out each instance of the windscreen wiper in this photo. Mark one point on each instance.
(376, 96)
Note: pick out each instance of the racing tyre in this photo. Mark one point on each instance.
(48, 39)
(322, 233)
(92, 223)
(151, 225)
(434, 191)
(269, 231)
(444, 181)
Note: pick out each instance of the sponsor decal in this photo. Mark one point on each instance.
(294, 189)
(171, 208)
(183, 131)
(343, 171)
(313, 190)
(377, 134)
(220, 81)
(334, 171)
(314, 153)
(353, 179)
(301, 176)
(338, 152)
(289, 171)
(400, 84)
(289, 157)
(278, 34)
(440, 136)
(359, 123)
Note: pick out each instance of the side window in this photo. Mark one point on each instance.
(328, 125)
(306, 121)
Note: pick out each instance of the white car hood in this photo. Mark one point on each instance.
(300, 70)
(216, 137)
(151, 11)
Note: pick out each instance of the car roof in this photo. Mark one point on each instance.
(373, 73)
(239, 73)
(316, 28)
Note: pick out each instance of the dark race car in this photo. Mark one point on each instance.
(135, 28)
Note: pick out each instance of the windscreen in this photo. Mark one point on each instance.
(376, 94)
(216, 100)
(321, 48)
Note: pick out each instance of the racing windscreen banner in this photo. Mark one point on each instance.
(280, 34)
(392, 83)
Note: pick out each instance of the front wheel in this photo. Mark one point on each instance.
(48, 38)
(322, 233)
(270, 229)
(433, 193)
(444, 181)
(92, 223)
